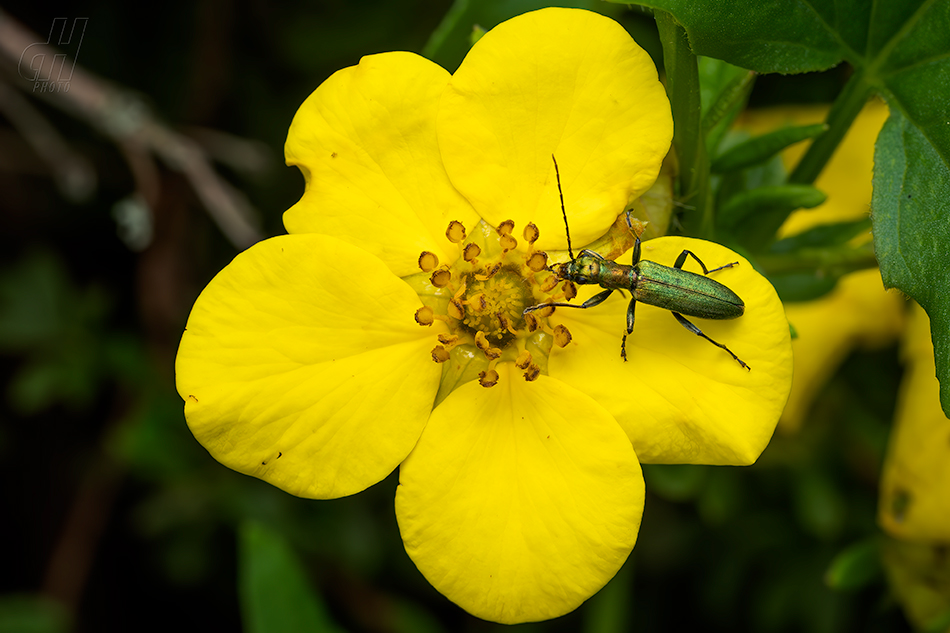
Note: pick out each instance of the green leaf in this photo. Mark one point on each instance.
(755, 215)
(823, 235)
(855, 567)
(768, 36)
(26, 613)
(761, 148)
(725, 89)
(276, 596)
(911, 218)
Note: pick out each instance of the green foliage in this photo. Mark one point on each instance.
(912, 226)
(855, 567)
(24, 613)
(275, 594)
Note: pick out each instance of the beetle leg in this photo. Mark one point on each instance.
(597, 299)
(623, 341)
(695, 330)
(591, 253)
(682, 260)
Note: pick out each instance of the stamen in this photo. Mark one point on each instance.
(428, 261)
(532, 372)
(523, 360)
(549, 284)
(425, 316)
(491, 273)
(440, 354)
(441, 278)
(456, 232)
(562, 335)
(488, 378)
(537, 261)
(569, 290)
(531, 233)
(508, 243)
(470, 252)
(505, 324)
(506, 227)
(455, 309)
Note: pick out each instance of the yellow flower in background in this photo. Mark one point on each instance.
(914, 503)
(387, 330)
(858, 313)
(915, 484)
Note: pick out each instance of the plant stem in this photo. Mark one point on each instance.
(843, 112)
(682, 87)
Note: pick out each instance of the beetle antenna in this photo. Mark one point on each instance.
(567, 229)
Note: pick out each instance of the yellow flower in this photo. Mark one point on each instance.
(387, 330)
(858, 312)
(915, 483)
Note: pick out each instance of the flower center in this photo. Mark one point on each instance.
(494, 305)
(482, 298)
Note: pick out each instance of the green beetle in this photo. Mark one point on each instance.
(674, 289)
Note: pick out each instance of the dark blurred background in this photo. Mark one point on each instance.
(115, 519)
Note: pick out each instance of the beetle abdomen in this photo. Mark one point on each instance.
(686, 293)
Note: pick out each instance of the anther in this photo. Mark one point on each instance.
(471, 251)
(506, 227)
(455, 309)
(523, 360)
(425, 316)
(562, 336)
(448, 339)
(478, 303)
(481, 342)
(456, 232)
(488, 378)
(532, 322)
(537, 261)
(485, 276)
(507, 243)
(505, 324)
(532, 372)
(531, 233)
(428, 261)
(569, 290)
(440, 354)
(441, 278)
(548, 284)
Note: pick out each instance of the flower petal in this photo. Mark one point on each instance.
(915, 483)
(566, 82)
(857, 313)
(365, 141)
(301, 364)
(520, 501)
(680, 398)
